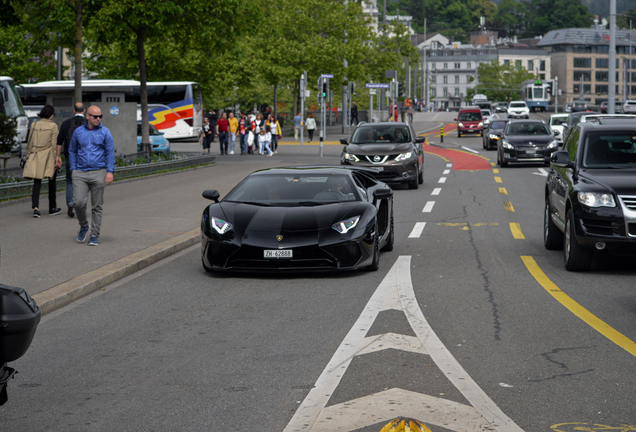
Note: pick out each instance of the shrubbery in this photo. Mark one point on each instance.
(7, 133)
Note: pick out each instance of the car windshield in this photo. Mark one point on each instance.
(151, 130)
(518, 105)
(527, 129)
(609, 150)
(486, 112)
(381, 134)
(558, 121)
(470, 116)
(498, 125)
(292, 190)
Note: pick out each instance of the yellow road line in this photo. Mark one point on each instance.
(495, 171)
(498, 179)
(503, 191)
(515, 228)
(589, 318)
(508, 206)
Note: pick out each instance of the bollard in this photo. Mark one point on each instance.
(441, 134)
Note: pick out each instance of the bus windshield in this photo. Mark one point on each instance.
(9, 99)
(537, 93)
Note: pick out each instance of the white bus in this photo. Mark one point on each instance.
(174, 107)
(11, 106)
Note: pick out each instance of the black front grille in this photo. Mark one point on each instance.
(600, 227)
(303, 257)
(348, 254)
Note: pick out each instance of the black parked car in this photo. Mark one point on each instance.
(493, 134)
(391, 147)
(590, 193)
(526, 141)
(578, 106)
(299, 218)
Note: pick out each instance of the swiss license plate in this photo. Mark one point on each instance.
(279, 253)
(531, 151)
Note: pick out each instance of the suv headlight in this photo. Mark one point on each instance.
(220, 225)
(351, 157)
(403, 156)
(505, 144)
(595, 199)
(553, 144)
(481, 124)
(346, 225)
(460, 124)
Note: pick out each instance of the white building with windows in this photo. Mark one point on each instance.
(535, 60)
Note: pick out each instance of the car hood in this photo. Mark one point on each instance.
(378, 149)
(253, 218)
(620, 181)
(527, 139)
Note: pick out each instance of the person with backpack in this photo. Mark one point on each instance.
(63, 139)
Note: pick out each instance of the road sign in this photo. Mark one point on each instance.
(377, 86)
(326, 75)
(373, 91)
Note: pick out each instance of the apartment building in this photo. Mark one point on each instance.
(582, 55)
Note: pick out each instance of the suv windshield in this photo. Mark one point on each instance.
(518, 105)
(609, 149)
(527, 129)
(381, 134)
(470, 116)
(498, 125)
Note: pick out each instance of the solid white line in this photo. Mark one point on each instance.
(443, 358)
(417, 230)
(442, 180)
(428, 207)
(470, 150)
(436, 191)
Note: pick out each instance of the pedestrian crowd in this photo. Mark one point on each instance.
(256, 135)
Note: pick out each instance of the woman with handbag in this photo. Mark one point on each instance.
(276, 131)
(40, 163)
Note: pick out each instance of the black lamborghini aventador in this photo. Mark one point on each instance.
(299, 218)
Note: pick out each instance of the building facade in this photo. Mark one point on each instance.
(580, 55)
(534, 60)
(452, 71)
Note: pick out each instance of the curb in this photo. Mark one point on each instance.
(67, 292)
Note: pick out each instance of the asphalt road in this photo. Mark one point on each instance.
(472, 335)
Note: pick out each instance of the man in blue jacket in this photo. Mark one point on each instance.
(92, 159)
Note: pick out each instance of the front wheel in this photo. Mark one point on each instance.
(575, 257)
(388, 247)
(420, 177)
(552, 237)
(415, 183)
(375, 264)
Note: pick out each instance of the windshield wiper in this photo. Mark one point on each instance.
(258, 203)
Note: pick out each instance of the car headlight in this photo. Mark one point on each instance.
(505, 144)
(595, 199)
(481, 124)
(553, 144)
(493, 136)
(460, 124)
(351, 157)
(220, 225)
(403, 156)
(346, 225)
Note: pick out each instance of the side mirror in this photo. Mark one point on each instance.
(212, 195)
(420, 139)
(561, 159)
(344, 141)
(455, 119)
(383, 193)
(162, 133)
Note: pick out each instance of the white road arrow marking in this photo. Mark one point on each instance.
(312, 416)
(542, 172)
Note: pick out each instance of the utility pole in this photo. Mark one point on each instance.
(611, 92)
(303, 88)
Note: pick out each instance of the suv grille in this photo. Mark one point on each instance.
(629, 201)
(378, 159)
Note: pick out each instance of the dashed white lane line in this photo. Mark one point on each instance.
(417, 230)
(396, 292)
(470, 150)
(436, 191)
(442, 180)
(428, 207)
(446, 172)
(450, 165)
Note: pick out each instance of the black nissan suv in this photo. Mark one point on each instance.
(590, 193)
(392, 148)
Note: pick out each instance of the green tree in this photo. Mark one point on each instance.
(546, 15)
(498, 81)
(623, 20)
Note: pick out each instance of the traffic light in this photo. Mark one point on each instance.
(324, 89)
(400, 89)
(352, 88)
(549, 87)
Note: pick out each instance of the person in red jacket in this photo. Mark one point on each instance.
(222, 130)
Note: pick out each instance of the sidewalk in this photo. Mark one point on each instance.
(145, 220)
